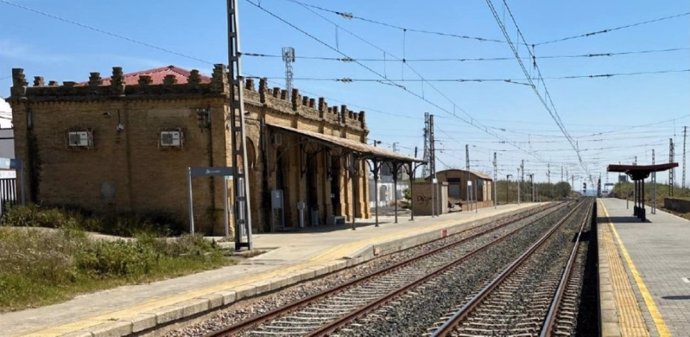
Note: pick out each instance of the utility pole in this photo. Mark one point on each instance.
(531, 186)
(548, 179)
(432, 146)
(242, 207)
(670, 172)
(495, 182)
(522, 172)
(572, 182)
(685, 136)
(508, 176)
(561, 173)
(426, 153)
(467, 167)
(518, 184)
(566, 175)
(653, 186)
(288, 58)
(430, 158)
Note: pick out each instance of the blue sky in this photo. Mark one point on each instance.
(611, 119)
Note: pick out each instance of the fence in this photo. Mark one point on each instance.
(8, 193)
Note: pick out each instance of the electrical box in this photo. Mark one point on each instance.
(171, 138)
(277, 139)
(80, 138)
(277, 199)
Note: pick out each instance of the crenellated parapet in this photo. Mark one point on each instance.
(19, 83)
(147, 86)
(304, 106)
(119, 85)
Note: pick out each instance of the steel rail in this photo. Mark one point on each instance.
(335, 325)
(551, 316)
(447, 328)
(281, 311)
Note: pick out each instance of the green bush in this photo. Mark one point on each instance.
(45, 265)
(116, 258)
(38, 253)
(124, 224)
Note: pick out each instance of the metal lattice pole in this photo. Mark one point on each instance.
(653, 186)
(289, 58)
(685, 137)
(426, 156)
(671, 171)
(495, 181)
(242, 216)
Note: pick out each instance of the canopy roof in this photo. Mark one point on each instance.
(362, 150)
(637, 172)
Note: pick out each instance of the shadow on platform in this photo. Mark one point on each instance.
(333, 228)
(620, 219)
(681, 297)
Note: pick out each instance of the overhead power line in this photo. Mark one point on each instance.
(545, 99)
(476, 80)
(385, 79)
(350, 16)
(608, 30)
(101, 31)
(159, 48)
(468, 59)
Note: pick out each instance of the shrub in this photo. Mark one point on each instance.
(124, 224)
(38, 253)
(116, 258)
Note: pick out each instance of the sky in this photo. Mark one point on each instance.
(444, 43)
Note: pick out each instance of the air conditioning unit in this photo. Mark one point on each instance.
(79, 138)
(277, 139)
(171, 138)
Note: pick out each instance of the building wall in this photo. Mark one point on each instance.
(126, 170)
(312, 173)
(457, 179)
(423, 200)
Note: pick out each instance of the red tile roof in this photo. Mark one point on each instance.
(157, 75)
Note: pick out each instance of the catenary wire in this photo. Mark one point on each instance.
(351, 16)
(101, 31)
(608, 30)
(384, 78)
(469, 59)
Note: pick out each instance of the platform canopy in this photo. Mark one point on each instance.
(639, 172)
(362, 150)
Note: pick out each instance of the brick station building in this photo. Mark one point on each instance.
(124, 143)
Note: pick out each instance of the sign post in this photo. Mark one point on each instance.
(224, 172)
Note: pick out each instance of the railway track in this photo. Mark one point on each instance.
(323, 313)
(537, 295)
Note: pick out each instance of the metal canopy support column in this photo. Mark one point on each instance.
(242, 218)
(375, 169)
(352, 171)
(397, 166)
(411, 174)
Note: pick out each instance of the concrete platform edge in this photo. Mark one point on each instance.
(213, 301)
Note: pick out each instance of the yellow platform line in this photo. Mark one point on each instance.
(658, 320)
(332, 254)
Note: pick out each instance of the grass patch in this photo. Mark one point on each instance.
(40, 266)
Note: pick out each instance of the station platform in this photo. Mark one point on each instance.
(644, 271)
(289, 258)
